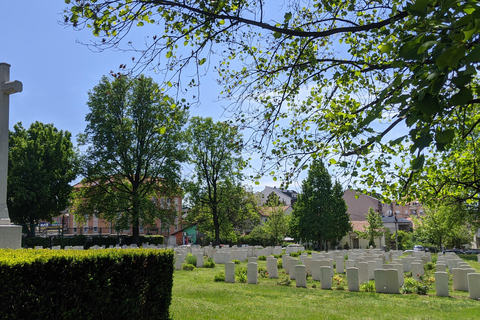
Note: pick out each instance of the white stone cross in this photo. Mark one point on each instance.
(7, 88)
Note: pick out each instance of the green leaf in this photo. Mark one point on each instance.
(463, 96)
(445, 136)
(397, 141)
(277, 34)
(451, 57)
(385, 48)
(162, 130)
(287, 16)
(418, 8)
(418, 162)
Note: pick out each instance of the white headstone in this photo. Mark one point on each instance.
(380, 280)
(272, 267)
(352, 279)
(326, 274)
(252, 273)
(199, 260)
(300, 276)
(230, 272)
(474, 286)
(441, 283)
(392, 285)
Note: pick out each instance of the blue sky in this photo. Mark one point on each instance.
(57, 72)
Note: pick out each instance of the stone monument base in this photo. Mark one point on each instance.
(10, 236)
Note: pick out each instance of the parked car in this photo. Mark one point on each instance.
(294, 245)
(457, 251)
(472, 251)
(418, 248)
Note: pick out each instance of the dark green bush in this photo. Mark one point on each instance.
(188, 267)
(90, 284)
(191, 259)
(429, 266)
(262, 258)
(209, 263)
(219, 277)
(236, 261)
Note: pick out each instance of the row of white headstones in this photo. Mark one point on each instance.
(386, 269)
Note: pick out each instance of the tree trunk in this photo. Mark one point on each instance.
(30, 230)
(136, 232)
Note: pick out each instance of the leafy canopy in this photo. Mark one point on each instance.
(134, 147)
(356, 82)
(220, 204)
(42, 163)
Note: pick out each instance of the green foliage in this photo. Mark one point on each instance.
(403, 86)
(276, 227)
(413, 286)
(368, 286)
(131, 166)
(444, 226)
(241, 275)
(262, 258)
(295, 254)
(209, 263)
(273, 200)
(236, 261)
(320, 213)
(41, 165)
(188, 267)
(191, 259)
(220, 204)
(404, 240)
(262, 271)
(153, 239)
(258, 236)
(338, 282)
(374, 229)
(63, 284)
(284, 282)
(429, 266)
(219, 277)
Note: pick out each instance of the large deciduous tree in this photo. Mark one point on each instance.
(353, 77)
(134, 148)
(319, 215)
(445, 225)
(220, 204)
(41, 165)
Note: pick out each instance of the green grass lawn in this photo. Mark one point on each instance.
(197, 296)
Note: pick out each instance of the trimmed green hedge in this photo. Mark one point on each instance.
(87, 241)
(98, 284)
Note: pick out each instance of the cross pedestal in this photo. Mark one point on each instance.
(10, 235)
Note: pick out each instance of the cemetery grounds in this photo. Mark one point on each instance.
(197, 296)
